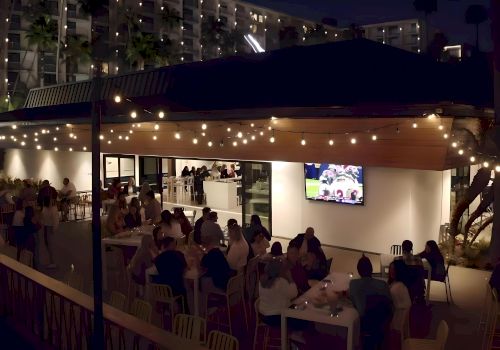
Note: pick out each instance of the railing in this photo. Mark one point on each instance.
(61, 316)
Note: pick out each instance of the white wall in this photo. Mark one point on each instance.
(50, 165)
(399, 204)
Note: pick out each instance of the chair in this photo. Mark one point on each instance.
(234, 291)
(221, 341)
(252, 278)
(429, 344)
(163, 295)
(396, 249)
(260, 324)
(190, 327)
(141, 309)
(118, 300)
(26, 258)
(446, 280)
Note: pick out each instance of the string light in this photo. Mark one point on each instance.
(245, 141)
(195, 140)
(461, 151)
(497, 168)
(303, 141)
(472, 159)
(240, 134)
(204, 126)
(445, 136)
(133, 114)
(486, 164)
(353, 141)
(228, 129)
(414, 125)
(157, 127)
(235, 143)
(178, 135)
(210, 143)
(84, 148)
(330, 142)
(161, 114)
(374, 137)
(118, 99)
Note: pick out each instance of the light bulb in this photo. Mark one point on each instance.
(204, 126)
(71, 149)
(228, 129)
(330, 142)
(131, 131)
(154, 137)
(374, 137)
(414, 125)
(454, 144)
(486, 164)
(25, 136)
(252, 125)
(240, 134)
(195, 140)
(14, 127)
(70, 134)
(353, 141)
(210, 144)
(101, 137)
(127, 138)
(56, 149)
(57, 128)
(269, 128)
(271, 139)
(461, 151)
(23, 143)
(161, 115)
(84, 148)
(133, 114)
(55, 139)
(157, 127)
(118, 99)
(303, 142)
(445, 136)
(111, 131)
(245, 141)
(203, 134)
(38, 147)
(440, 127)
(178, 135)
(472, 159)
(431, 116)
(235, 143)
(261, 133)
(120, 137)
(497, 168)
(109, 142)
(253, 137)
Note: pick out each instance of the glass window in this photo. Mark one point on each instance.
(14, 41)
(256, 185)
(15, 22)
(118, 166)
(72, 10)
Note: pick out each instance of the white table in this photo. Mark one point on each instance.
(387, 259)
(221, 194)
(348, 317)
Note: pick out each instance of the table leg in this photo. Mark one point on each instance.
(284, 338)
(196, 296)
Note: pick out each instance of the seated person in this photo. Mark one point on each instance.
(306, 242)
(276, 292)
(408, 257)
(211, 233)
(259, 244)
(217, 268)
(299, 274)
(315, 264)
(152, 209)
(142, 260)
(133, 218)
(115, 223)
(199, 223)
(114, 189)
(275, 253)
(171, 266)
(399, 293)
(68, 195)
(170, 226)
(181, 218)
(237, 253)
(256, 226)
(121, 202)
(433, 255)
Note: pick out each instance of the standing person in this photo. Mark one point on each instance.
(192, 172)
(46, 191)
(256, 226)
(433, 255)
(28, 194)
(306, 242)
(199, 223)
(170, 226)
(133, 217)
(231, 171)
(211, 231)
(223, 171)
(185, 171)
(115, 189)
(237, 253)
(276, 292)
(259, 244)
(145, 188)
(152, 209)
(68, 196)
(50, 222)
(25, 237)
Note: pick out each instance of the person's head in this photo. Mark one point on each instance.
(276, 249)
(272, 271)
(185, 168)
(255, 220)
(235, 233)
(135, 203)
(45, 183)
(131, 181)
(407, 246)
(210, 233)
(365, 268)
(397, 270)
(65, 181)
(27, 183)
(150, 195)
(145, 187)
(212, 216)
(19, 204)
(167, 243)
(179, 213)
(432, 248)
(292, 254)
(233, 166)
(166, 217)
(224, 166)
(231, 222)
(257, 237)
(205, 212)
(193, 168)
(309, 233)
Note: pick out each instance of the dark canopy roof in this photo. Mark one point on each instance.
(346, 73)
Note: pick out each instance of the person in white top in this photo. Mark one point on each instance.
(399, 294)
(259, 244)
(170, 227)
(276, 291)
(237, 254)
(67, 194)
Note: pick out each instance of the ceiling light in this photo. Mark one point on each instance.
(38, 147)
(240, 134)
(118, 99)
(204, 126)
(245, 141)
(154, 137)
(235, 143)
(109, 142)
(71, 149)
(157, 127)
(127, 138)
(414, 125)
(55, 139)
(56, 149)
(14, 127)
(252, 125)
(228, 129)
(454, 144)
(330, 142)
(497, 168)
(440, 127)
(23, 143)
(445, 136)
(486, 164)
(101, 137)
(253, 137)
(195, 140)
(210, 143)
(178, 135)
(133, 114)
(84, 148)
(353, 141)
(161, 115)
(472, 159)
(261, 133)
(272, 139)
(461, 151)
(374, 137)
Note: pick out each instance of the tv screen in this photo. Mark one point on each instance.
(334, 183)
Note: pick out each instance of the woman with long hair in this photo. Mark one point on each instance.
(186, 226)
(145, 188)
(256, 226)
(142, 260)
(170, 226)
(133, 218)
(399, 292)
(433, 255)
(237, 253)
(115, 223)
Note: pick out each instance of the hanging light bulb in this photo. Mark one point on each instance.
(203, 134)
(414, 125)
(261, 133)
(131, 131)
(203, 126)
(303, 141)
(84, 148)
(235, 143)
(272, 139)
(330, 142)
(228, 129)
(210, 143)
(56, 149)
(445, 136)
(38, 147)
(161, 114)
(245, 141)
(55, 139)
(486, 164)
(120, 137)
(127, 138)
(14, 127)
(133, 114)
(111, 131)
(374, 137)
(252, 125)
(109, 142)
(101, 137)
(497, 168)
(472, 159)
(253, 137)
(118, 99)
(454, 144)
(440, 127)
(240, 134)
(195, 140)
(432, 116)
(155, 137)
(461, 151)
(178, 135)
(353, 141)
(157, 127)
(71, 149)
(23, 143)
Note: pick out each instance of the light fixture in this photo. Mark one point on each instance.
(195, 140)
(440, 127)
(245, 141)
(111, 131)
(252, 125)
(303, 141)
(161, 114)
(157, 127)
(253, 137)
(228, 129)
(432, 116)
(36, 139)
(210, 143)
(204, 126)
(70, 134)
(454, 144)
(203, 134)
(461, 151)
(497, 168)
(14, 127)
(23, 143)
(118, 99)
(261, 133)
(38, 147)
(131, 131)
(57, 128)
(330, 142)
(127, 138)
(178, 135)
(84, 148)
(414, 125)
(55, 139)
(374, 137)
(235, 143)
(71, 149)
(109, 142)
(472, 159)
(56, 149)
(101, 137)
(486, 164)
(445, 136)
(272, 139)
(269, 128)
(154, 137)
(240, 134)
(133, 114)
(353, 141)
(120, 137)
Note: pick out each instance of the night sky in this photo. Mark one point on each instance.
(449, 18)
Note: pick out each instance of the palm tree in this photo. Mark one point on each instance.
(169, 51)
(143, 48)
(42, 34)
(76, 50)
(94, 8)
(315, 35)
(476, 14)
(427, 7)
(212, 33)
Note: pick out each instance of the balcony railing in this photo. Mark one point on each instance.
(61, 316)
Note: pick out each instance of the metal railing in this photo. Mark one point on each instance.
(62, 317)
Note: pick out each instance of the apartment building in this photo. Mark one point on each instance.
(410, 34)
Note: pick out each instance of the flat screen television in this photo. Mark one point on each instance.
(334, 183)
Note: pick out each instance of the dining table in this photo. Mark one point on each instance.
(308, 307)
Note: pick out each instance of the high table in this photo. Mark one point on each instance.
(387, 259)
(305, 310)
